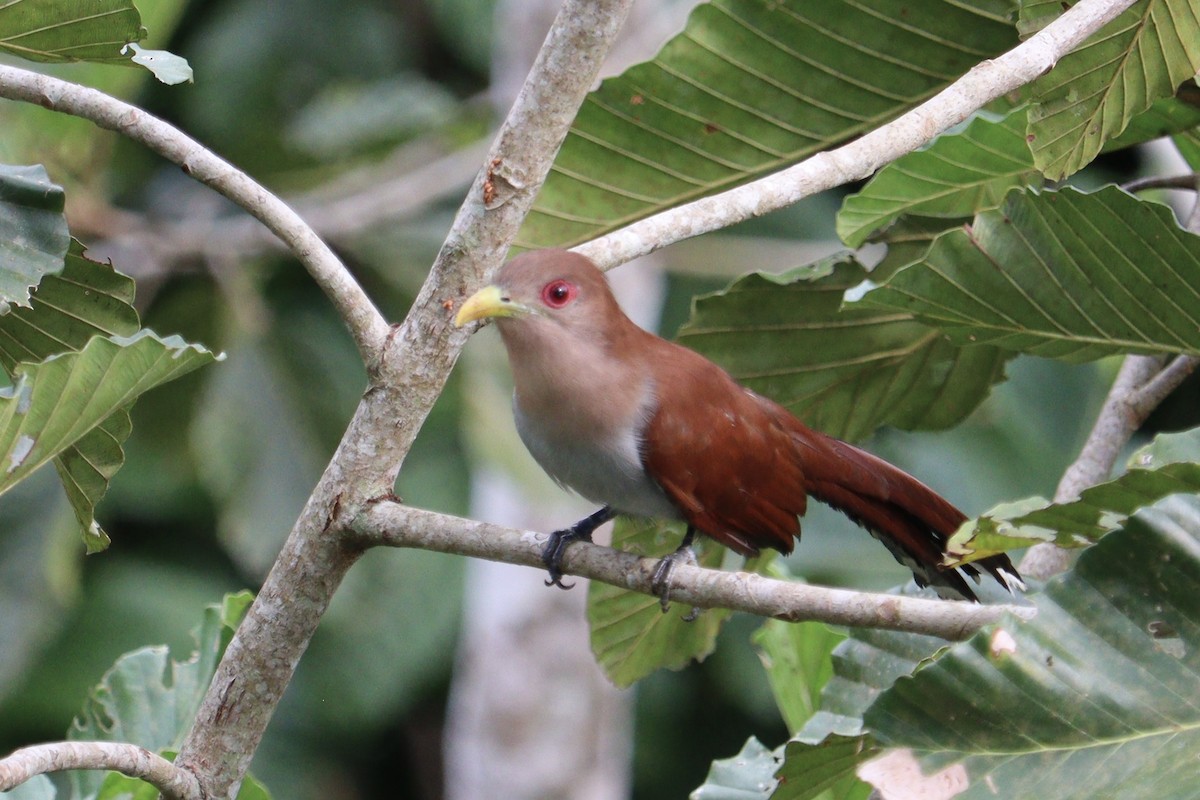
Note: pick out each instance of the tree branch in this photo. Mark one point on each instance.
(1184, 182)
(336, 211)
(366, 324)
(1140, 386)
(1150, 394)
(395, 525)
(862, 157)
(128, 759)
(418, 356)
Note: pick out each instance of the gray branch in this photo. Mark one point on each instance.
(418, 356)
(395, 525)
(128, 759)
(366, 324)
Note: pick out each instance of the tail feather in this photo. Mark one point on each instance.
(910, 519)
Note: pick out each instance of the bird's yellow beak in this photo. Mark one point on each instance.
(488, 302)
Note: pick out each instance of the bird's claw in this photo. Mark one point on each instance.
(660, 581)
(555, 549)
(555, 579)
(556, 546)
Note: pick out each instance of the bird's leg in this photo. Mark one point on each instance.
(660, 582)
(556, 547)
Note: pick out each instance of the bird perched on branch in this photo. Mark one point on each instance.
(648, 428)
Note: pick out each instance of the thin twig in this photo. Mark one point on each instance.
(862, 157)
(1187, 182)
(1193, 220)
(336, 213)
(395, 525)
(366, 324)
(1149, 395)
(128, 759)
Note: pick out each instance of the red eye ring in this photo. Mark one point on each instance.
(558, 293)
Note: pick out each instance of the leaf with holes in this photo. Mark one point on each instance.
(1169, 465)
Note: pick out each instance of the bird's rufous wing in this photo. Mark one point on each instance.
(720, 456)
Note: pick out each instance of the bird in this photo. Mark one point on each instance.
(645, 427)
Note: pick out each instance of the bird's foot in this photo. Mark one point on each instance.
(660, 581)
(556, 547)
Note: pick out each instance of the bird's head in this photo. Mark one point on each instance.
(557, 287)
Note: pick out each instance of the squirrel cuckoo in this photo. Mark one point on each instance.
(647, 427)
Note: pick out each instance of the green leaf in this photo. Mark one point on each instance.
(1169, 465)
(908, 240)
(87, 466)
(150, 699)
(796, 657)
(69, 30)
(1060, 274)
(33, 230)
(631, 636)
(750, 775)
(994, 532)
(864, 665)
(844, 371)
(121, 787)
(958, 175)
(85, 300)
(820, 760)
(1093, 92)
(1093, 697)
(748, 87)
(55, 404)
(825, 770)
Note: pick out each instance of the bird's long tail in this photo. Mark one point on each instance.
(910, 519)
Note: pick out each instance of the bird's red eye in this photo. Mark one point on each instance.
(557, 294)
